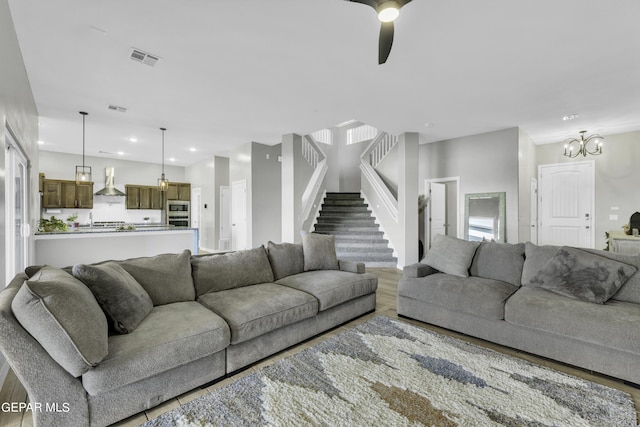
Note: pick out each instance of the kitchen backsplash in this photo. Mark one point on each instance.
(107, 208)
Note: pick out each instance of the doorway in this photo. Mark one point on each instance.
(239, 224)
(224, 243)
(442, 212)
(566, 203)
(17, 227)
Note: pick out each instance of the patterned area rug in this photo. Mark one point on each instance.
(389, 373)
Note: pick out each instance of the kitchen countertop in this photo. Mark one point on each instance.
(98, 230)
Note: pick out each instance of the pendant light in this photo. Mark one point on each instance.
(83, 173)
(163, 182)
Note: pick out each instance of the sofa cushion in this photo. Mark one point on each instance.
(499, 261)
(332, 287)
(61, 313)
(172, 335)
(166, 277)
(607, 325)
(472, 295)
(254, 310)
(451, 255)
(217, 273)
(121, 297)
(582, 275)
(319, 252)
(285, 258)
(535, 258)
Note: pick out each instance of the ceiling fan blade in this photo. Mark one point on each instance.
(371, 3)
(403, 2)
(386, 41)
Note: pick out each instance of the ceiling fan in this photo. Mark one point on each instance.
(388, 11)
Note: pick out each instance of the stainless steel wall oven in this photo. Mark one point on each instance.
(178, 213)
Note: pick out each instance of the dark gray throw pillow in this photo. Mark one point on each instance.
(121, 297)
(286, 259)
(319, 252)
(64, 317)
(451, 255)
(581, 275)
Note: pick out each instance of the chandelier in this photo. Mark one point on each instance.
(574, 147)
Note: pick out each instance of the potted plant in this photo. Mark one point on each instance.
(71, 219)
(52, 224)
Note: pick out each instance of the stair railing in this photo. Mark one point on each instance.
(373, 155)
(318, 160)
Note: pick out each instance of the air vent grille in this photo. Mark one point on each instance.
(144, 57)
(117, 108)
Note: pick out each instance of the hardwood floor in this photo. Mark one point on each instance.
(12, 390)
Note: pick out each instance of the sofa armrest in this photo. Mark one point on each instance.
(417, 270)
(351, 266)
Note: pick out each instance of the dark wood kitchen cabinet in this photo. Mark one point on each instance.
(58, 193)
(143, 197)
(179, 191)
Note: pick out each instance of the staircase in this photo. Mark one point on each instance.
(358, 238)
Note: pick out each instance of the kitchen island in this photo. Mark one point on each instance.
(86, 245)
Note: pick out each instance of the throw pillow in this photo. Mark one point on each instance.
(286, 259)
(319, 252)
(121, 297)
(581, 275)
(216, 273)
(451, 255)
(166, 277)
(64, 317)
(499, 261)
(535, 259)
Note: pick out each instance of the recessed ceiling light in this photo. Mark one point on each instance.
(570, 117)
(133, 139)
(172, 159)
(120, 153)
(40, 142)
(192, 149)
(428, 125)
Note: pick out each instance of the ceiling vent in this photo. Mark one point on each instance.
(117, 108)
(144, 57)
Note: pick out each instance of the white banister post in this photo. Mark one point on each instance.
(408, 151)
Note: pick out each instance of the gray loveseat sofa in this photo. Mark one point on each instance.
(577, 306)
(115, 338)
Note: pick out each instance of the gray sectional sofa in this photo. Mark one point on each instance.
(577, 306)
(94, 344)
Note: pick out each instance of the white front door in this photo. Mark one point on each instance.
(566, 204)
(239, 215)
(437, 210)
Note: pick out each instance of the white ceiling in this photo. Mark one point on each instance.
(233, 72)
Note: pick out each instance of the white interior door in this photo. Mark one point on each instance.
(437, 210)
(566, 204)
(225, 219)
(196, 212)
(239, 215)
(534, 211)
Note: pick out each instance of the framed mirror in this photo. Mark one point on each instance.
(484, 216)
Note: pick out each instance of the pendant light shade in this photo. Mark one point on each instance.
(163, 182)
(83, 173)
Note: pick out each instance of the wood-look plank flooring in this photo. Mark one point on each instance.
(12, 390)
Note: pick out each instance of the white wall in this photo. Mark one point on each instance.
(266, 174)
(527, 169)
(617, 177)
(18, 112)
(106, 208)
(485, 163)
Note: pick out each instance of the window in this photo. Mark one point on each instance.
(360, 133)
(324, 136)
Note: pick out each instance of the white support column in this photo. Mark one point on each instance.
(408, 197)
(291, 194)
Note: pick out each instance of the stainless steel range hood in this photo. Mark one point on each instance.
(109, 186)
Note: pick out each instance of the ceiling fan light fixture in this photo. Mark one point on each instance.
(388, 11)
